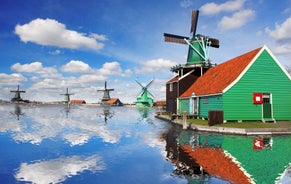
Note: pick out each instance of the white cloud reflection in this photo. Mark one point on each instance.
(39, 123)
(58, 170)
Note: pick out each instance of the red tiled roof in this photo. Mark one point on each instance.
(176, 78)
(216, 79)
(77, 101)
(112, 101)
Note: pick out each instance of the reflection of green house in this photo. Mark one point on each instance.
(253, 86)
(264, 166)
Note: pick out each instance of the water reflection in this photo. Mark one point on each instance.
(228, 158)
(106, 114)
(58, 170)
(17, 111)
(49, 121)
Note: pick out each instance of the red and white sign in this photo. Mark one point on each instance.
(258, 144)
(257, 98)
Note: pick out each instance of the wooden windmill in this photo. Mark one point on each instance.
(144, 98)
(67, 96)
(105, 91)
(197, 64)
(17, 97)
(198, 53)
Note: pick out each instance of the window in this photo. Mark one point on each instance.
(171, 87)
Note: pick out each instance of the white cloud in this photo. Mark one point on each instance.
(11, 79)
(281, 32)
(156, 66)
(237, 20)
(76, 66)
(110, 68)
(98, 37)
(36, 67)
(53, 33)
(229, 6)
(282, 49)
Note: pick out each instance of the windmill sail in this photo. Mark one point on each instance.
(194, 21)
(198, 52)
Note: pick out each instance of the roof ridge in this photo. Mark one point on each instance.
(219, 77)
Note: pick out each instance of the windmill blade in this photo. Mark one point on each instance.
(194, 21)
(149, 83)
(150, 94)
(175, 38)
(214, 42)
(139, 83)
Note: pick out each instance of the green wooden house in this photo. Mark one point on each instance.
(253, 86)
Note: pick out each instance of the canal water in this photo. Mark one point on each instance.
(93, 144)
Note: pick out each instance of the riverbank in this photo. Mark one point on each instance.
(283, 128)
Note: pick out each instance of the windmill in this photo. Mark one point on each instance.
(67, 96)
(144, 98)
(198, 52)
(17, 97)
(106, 91)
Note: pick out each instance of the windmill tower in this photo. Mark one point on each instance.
(105, 91)
(17, 96)
(67, 96)
(199, 46)
(144, 98)
(197, 63)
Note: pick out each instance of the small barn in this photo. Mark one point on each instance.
(114, 102)
(253, 86)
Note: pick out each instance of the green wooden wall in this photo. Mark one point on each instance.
(264, 76)
(184, 105)
(208, 103)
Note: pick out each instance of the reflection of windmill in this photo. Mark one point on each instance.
(17, 111)
(67, 96)
(17, 97)
(106, 91)
(144, 99)
(198, 53)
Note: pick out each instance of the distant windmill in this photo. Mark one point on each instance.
(17, 96)
(144, 98)
(106, 91)
(67, 96)
(198, 52)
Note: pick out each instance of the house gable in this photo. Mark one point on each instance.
(273, 58)
(264, 74)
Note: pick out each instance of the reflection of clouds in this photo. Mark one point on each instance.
(49, 121)
(57, 170)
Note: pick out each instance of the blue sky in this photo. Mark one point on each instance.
(47, 46)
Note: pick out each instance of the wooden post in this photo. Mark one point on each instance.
(185, 125)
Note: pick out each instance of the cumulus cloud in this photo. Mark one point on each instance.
(229, 6)
(50, 32)
(281, 32)
(76, 66)
(11, 79)
(237, 20)
(156, 65)
(283, 49)
(110, 68)
(37, 68)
